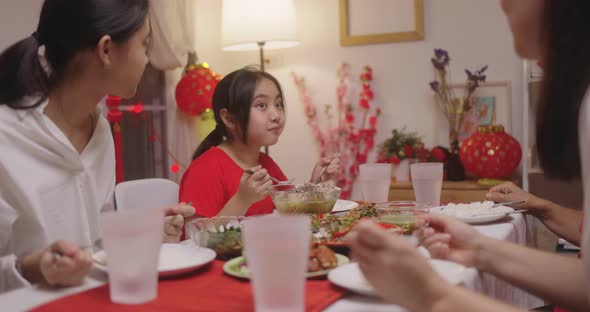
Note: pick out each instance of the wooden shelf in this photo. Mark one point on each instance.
(452, 191)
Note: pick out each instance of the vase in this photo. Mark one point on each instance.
(453, 166)
(401, 171)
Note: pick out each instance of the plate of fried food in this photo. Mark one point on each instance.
(321, 261)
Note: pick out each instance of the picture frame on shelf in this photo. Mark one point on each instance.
(380, 21)
(491, 104)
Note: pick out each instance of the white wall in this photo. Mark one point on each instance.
(473, 31)
(18, 19)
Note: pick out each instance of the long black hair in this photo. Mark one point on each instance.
(567, 78)
(65, 28)
(235, 93)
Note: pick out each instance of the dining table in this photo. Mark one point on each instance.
(188, 294)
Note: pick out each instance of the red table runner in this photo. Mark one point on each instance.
(209, 289)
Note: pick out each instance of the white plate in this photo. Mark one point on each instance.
(476, 219)
(175, 259)
(344, 205)
(350, 277)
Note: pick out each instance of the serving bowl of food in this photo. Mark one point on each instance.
(305, 199)
(222, 234)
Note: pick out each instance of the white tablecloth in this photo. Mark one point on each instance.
(513, 229)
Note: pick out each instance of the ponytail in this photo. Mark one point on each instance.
(213, 139)
(21, 74)
(36, 65)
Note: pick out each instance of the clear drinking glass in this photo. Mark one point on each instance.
(407, 215)
(427, 182)
(131, 241)
(375, 180)
(277, 249)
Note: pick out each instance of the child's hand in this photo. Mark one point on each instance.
(328, 168)
(254, 187)
(174, 220)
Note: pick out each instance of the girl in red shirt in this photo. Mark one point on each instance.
(249, 110)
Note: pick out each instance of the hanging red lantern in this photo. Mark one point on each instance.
(194, 92)
(490, 153)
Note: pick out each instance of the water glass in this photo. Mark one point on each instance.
(132, 242)
(375, 180)
(427, 182)
(406, 215)
(277, 249)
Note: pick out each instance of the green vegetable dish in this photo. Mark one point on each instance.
(227, 244)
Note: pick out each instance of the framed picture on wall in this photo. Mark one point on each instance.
(380, 21)
(490, 105)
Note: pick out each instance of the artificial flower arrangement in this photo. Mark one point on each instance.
(408, 145)
(453, 106)
(344, 128)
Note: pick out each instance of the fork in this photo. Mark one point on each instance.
(279, 182)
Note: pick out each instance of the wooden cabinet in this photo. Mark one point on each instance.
(452, 191)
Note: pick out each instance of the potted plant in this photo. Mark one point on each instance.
(400, 150)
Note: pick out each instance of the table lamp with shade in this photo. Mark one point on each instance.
(258, 25)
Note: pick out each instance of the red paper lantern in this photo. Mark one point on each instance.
(490, 153)
(195, 90)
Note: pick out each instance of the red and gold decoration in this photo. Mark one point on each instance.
(491, 153)
(194, 94)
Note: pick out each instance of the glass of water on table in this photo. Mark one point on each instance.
(427, 182)
(407, 216)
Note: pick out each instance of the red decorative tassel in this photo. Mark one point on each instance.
(114, 117)
(118, 152)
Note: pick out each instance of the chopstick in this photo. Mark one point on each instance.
(518, 202)
(502, 213)
(319, 179)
